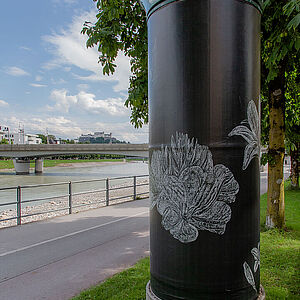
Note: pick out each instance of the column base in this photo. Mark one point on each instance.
(262, 293)
(151, 296)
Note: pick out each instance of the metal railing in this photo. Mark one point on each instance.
(69, 195)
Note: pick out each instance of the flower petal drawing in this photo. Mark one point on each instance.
(188, 191)
(251, 136)
(256, 254)
(251, 150)
(244, 132)
(249, 275)
(253, 118)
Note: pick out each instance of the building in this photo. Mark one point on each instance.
(6, 134)
(98, 137)
(18, 138)
(32, 139)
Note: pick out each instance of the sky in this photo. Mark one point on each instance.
(50, 81)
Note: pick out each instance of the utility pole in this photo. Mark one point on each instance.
(47, 136)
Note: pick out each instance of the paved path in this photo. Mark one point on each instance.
(58, 258)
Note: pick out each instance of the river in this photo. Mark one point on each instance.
(56, 174)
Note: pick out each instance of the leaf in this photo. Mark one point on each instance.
(253, 117)
(294, 23)
(250, 151)
(256, 255)
(229, 187)
(249, 275)
(244, 132)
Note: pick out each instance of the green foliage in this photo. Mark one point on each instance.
(121, 26)
(280, 36)
(129, 284)
(43, 137)
(4, 141)
(280, 57)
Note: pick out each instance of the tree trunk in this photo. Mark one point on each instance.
(295, 167)
(275, 208)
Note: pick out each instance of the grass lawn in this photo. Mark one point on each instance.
(8, 164)
(280, 262)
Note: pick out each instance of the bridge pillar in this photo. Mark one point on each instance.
(21, 165)
(39, 165)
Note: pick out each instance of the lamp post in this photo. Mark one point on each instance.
(204, 87)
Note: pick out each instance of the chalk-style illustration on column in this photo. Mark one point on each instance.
(256, 255)
(247, 270)
(249, 275)
(252, 135)
(189, 192)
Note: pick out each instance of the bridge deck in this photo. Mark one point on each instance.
(42, 150)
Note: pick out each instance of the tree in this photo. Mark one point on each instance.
(4, 141)
(280, 55)
(43, 137)
(121, 26)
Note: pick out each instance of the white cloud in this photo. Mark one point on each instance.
(69, 49)
(58, 126)
(83, 86)
(38, 78)
(16, 71)
(37, 85)
(57, 81)
(64, 1)
(3, 103)
(112, 106)
(87, 102)
(25, 48)
(62, 100)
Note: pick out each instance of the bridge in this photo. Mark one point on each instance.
(22, 154)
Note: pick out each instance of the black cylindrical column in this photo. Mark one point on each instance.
(204, 86)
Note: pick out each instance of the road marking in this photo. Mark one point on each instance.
(69, 234)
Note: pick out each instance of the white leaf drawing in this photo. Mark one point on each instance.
(249, 275)
(256, 254)
(188, 191)
(251, 136)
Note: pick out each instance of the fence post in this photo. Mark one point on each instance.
(70, 197)
(107, 191)
(19, 216)
(134, 187)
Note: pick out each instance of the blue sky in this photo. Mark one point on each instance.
(50, 81)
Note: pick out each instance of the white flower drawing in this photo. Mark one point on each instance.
(256, 254)
(188, 191)
(252, 135)
(249, 275)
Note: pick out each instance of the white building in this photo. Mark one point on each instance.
(6, 134)
(32, 139)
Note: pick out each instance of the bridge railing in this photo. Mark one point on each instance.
(68, 197)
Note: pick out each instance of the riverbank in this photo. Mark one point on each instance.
(7, 165)
(79, 202)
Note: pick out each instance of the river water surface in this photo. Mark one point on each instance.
(66, 174)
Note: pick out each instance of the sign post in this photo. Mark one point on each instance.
(204, 89)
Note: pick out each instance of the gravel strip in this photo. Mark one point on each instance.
(85, 201)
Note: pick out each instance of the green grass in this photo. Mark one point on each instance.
(129, 284)
(280, 262)
(8, 164)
